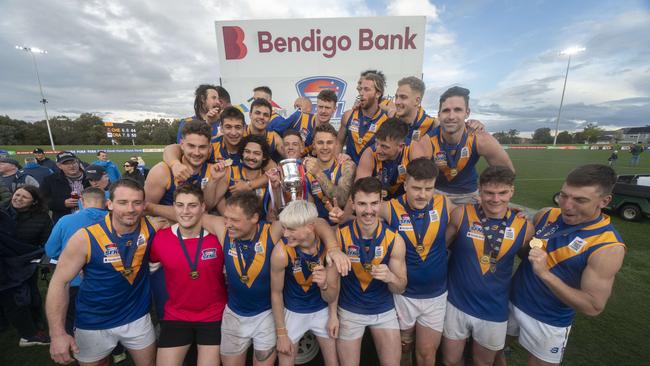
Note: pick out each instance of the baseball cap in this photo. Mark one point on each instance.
(8, 160)
(95, 172)
(64, 156)
(38, 150)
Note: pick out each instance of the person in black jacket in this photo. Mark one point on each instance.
(131, 171)
(62, 189)
(43, 160)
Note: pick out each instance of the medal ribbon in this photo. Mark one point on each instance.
(488, 233)
(419, 234)
(194, 264)
(305, 259)
(549, 232)
(126, 255)
(238, 245)
(373, 243)
(452, 162)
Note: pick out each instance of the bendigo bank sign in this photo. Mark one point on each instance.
(290, 55)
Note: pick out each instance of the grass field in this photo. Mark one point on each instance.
(616, 337)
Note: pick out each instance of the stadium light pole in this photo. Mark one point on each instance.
(569, 52)
(31, 51)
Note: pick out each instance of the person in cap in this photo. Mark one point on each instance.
(35, 170)
(61, 190)
(43, 160)
(11, 175)
(97, 178)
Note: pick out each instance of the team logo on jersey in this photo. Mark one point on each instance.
(577, 244)
(405, 223)
(315, 187)
(141, 240)
(440, 158)
(401, 169)
(475, 231)
(304, 133)
(510, 233)
(110, 250)
(464, 152)
(210, 253)
(259, 248)
(311, 86)
(204, 182)
(353, 253)
(296, 266)
(433, 215)
(415, 136)
(379, 252)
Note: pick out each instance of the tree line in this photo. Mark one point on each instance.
(87, 129)
(590, 134)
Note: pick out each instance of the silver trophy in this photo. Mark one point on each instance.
(292, 178)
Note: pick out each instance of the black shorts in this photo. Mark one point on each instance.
(174, 333)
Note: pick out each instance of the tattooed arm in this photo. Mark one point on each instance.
(341, 190)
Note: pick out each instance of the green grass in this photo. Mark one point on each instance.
(619, 336)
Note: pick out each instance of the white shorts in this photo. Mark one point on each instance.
(352, 325)
(459, 199)
(460, 325)
(238, 331)
(299, 323)
(542, 340)
(429, 313)
(95, 345)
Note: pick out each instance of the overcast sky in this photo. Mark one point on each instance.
(142, 59)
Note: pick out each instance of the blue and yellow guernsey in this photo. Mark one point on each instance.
(300, 294)
(568, 256)
(391, 173)
(422, 127)
(248, 271)
(361, 132)
(108, 296)
(473, 287)
(199, 179)
(457, 163)
(220, 151)
(272, 138)
(360, 293)
(238, 173)
(305, 125)
(426, 266)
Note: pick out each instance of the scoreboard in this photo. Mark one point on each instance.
(116, 131)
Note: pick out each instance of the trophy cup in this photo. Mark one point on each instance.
(292, 177)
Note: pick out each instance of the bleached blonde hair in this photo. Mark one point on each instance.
(298, 213)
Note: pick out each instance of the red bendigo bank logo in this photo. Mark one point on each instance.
(233, 39)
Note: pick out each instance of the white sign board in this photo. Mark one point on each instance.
(300, 57)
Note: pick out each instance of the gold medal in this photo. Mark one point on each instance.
(244, 278)
(313, 265)
(536, 243)
(485, 259)
(360, 141)
(453, 172)
(419, 248)
(367, 267)
(194, 275)
(127, 272)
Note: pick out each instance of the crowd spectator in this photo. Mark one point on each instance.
(62, 189)
(131, 171)
(43, 160)
(636, 151)
(35, 170)
(11, 175)
(142, 166)
(111, 169)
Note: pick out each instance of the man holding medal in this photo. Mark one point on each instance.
(193, 262)
(114, 299)
(484, 239)
(571, 266)
(455, 150)
(379, 271)
(303, 289)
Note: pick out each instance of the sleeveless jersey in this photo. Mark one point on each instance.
(238, 173)
(361, 132)
(567, 258)
(272, 138)
(360, 293)
(220, 151)
(179, 133)
(473, 287)
(426, 270)
(107, 298)
(253, 296)
(333, 173)
(422, 127)
(391, 174)
(465, 180)
(199, 179)
(300, 294)
(193, 300)
(305, 125)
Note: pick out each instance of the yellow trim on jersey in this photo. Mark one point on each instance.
(439, 205)
(462, 161)
(259, 259)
